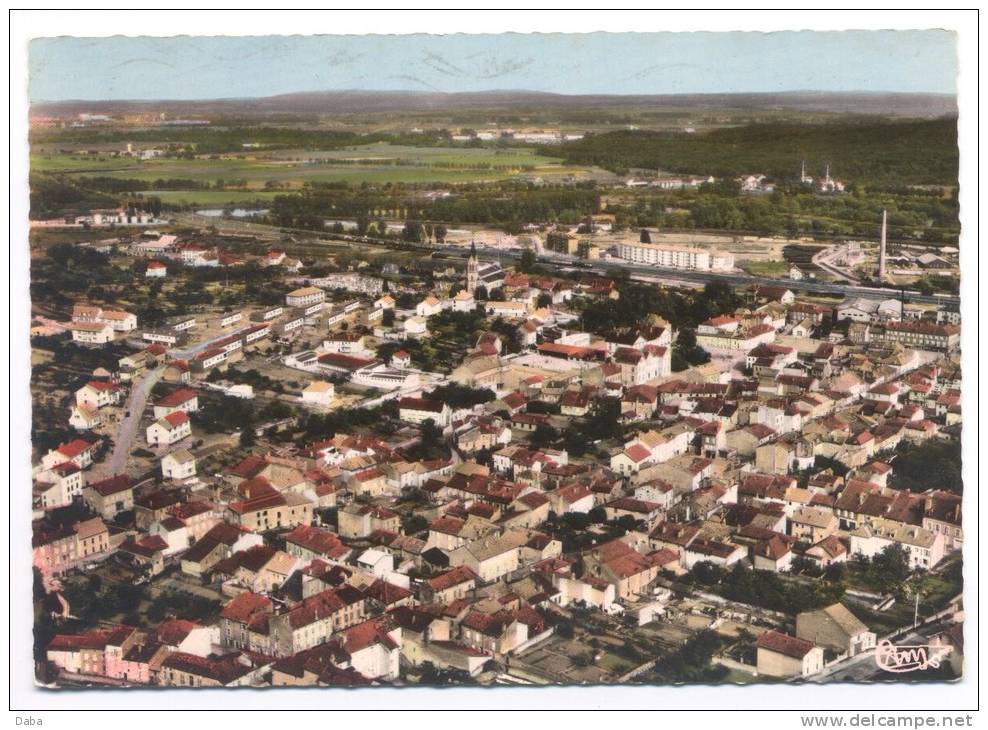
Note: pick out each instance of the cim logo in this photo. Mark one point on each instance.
(899, 659)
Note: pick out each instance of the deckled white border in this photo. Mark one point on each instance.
(926, 699)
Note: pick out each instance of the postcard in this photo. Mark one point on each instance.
(495, 360)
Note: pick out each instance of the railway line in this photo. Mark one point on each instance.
(636, 271)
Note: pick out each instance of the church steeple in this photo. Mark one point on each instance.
(473, 278)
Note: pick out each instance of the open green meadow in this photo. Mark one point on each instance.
(211, 197)
(374, 163)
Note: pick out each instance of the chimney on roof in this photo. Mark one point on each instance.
(881, 246)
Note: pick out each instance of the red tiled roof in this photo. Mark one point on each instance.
(190, 509)
(96, 639)
(177, 398)
(73, 448)
(159, 499)
(113, 485)
(249, 467)
(102, 385)
(454, 577)
(177, 419)
(629, 504)
(367, 634)
(386, 593)
(223, 669)
(637, 453)
(246, 605)
(421, 404)
(785, 644)
(174, 631)
(447, 525)
(318, 541)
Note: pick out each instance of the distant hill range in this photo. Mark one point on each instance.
(923, 106)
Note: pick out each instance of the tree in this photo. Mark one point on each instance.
(686, 339)
(564, 629)
(686, 351)
(544, 435)
(461, 396)
(526, 263)
(932, 465)
(890, 568)
(707, 573)
(604, 421)
(412, 232)
(544, 300)
(247, 437)
(691, 661)
(414, 524)
(645, 237)
(430, 440)
(721, 297)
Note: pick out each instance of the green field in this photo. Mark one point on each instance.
(211, 197)
(765, 268)
(384, 153)
(89, 165)
(374, 163)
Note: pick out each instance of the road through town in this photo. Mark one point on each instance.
(134, 409)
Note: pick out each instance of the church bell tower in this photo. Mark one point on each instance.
(473, 280)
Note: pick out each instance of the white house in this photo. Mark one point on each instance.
(428, 307)
(464, 302)
(319, 393)
(156, 270)
(183, 399)
(305, 297)
(77, 451)
(179, 464)
(120, 321)
(417, 410)
(61, 483)
(92, 333)
(97, 394)
(170, 429)
(415, 326)
(84, 418)
(508, 310)
(346, 343)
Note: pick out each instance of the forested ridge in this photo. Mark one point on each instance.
(886, 153)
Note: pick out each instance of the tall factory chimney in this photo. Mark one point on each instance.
(881, 246)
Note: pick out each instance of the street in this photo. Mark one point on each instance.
(134, 410)
(863, 667)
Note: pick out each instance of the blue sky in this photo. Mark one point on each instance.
(609, 63)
